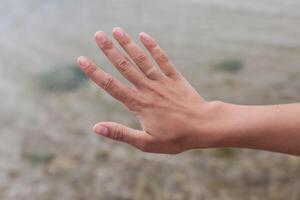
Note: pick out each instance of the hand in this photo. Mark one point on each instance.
(173, 116)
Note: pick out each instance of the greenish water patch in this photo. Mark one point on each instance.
(101, 156)
(60, 79)
(229, 66)
(39, 158)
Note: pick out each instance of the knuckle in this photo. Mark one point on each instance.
(90, 70)
(176, 77)
(152, 45)
(123, 65)
(162, 58)
(107, 45)
(140, 59)
(124, 40)
(108, 84)
(117, 133)
(128, 99)
(139, 103)
(133, 104)
(150, 71)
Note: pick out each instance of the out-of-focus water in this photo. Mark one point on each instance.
(40, 37)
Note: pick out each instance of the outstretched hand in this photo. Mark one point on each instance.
(173, 116)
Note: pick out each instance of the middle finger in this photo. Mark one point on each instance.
(137, 54)
(119, 60)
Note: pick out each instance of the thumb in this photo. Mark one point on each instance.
(116, 131)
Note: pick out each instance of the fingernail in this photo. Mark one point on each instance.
(83, 61)
(99, 35)
(144, 36)
(118, 32)
(102, 130)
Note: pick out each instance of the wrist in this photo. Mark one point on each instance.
(220, 123)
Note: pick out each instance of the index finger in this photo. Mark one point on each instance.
(107, 82)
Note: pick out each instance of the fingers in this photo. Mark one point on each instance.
(159, 56)
(115, 131)
(137, 54)
(106, 81)
(119, 60)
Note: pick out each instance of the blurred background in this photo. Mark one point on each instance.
(244, 52)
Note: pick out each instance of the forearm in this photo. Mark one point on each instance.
(274, 128)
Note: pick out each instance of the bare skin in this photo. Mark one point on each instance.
(173, 116)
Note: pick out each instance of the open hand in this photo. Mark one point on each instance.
(172, 114)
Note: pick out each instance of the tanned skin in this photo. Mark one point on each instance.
(173, 116)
